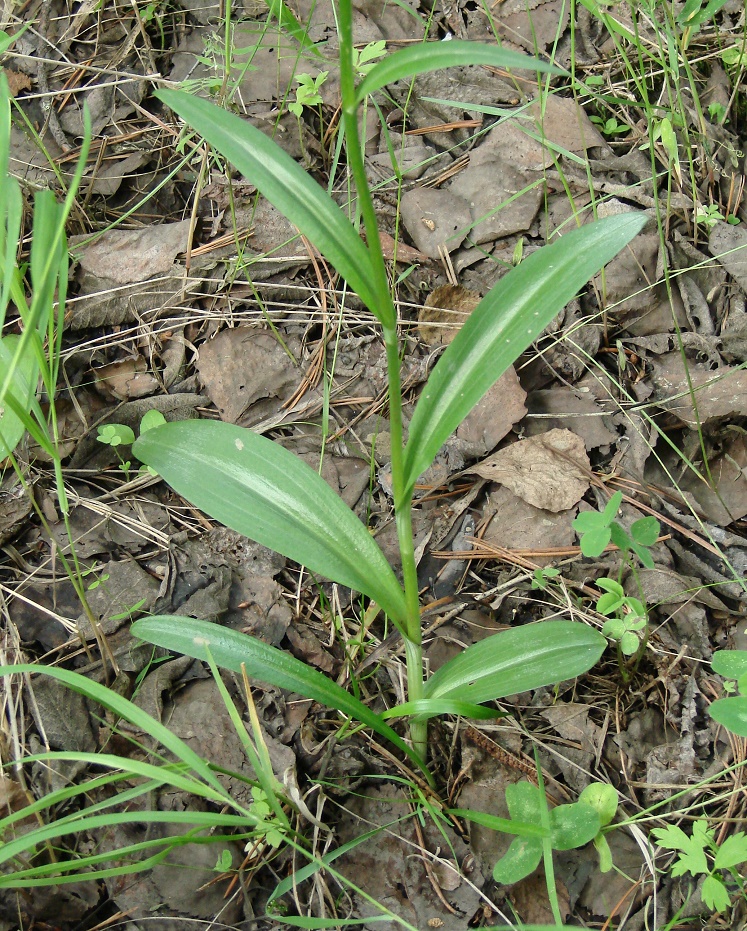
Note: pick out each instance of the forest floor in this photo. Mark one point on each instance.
(190, 294)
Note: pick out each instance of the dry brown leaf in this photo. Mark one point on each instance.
(126, 379)
(549, 471)
(445, 310)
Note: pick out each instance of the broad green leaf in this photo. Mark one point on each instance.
(695, 13)
(518, 660)
(505, 322)
(22, 390)
(425, 708)
(286, 185)
(602, 797)
(232, 649)
(731, 713)
(521, 859)
(258, 488)
(608, 603)
(524, 802)
(672, 837)
(731, 664)
(629, 643)
(594, 542)
(732, 852)
(573, 826)
(645, 531)
(435, 56)
(715, 895)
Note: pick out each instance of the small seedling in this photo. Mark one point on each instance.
(567, 826)
(307, 92)
(717, 111)
(118, 434)
(272, 831)
(597, 530)
(365, 58)
(224, 862)
(541, 577)
(629, 616)
(700, 855)
(734, 57)
(708, 216)
(610, 126)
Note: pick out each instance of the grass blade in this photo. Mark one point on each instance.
(505, 322)
(263, 491)
(124, 709)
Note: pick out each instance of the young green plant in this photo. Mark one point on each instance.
(540, 830)
(628, 618)
(700, 855)
(260, 489)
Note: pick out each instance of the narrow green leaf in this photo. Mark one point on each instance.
(288, 22)
(21, 390)
(258, 488)
(435, 56)
(425, 708)
(311, 924)
(230, 649)
(731, 713)
(505, 322)
(286, 185)
(124, 709)
(518, 660)
(504, 825)
(605, 854)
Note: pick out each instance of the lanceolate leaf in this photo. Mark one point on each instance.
(434, 56)
(424, 708)
(258, 488)
(507, 320)
(230, 649)
(518, 660)
(285, 184)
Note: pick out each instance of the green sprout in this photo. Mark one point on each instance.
(700, 855)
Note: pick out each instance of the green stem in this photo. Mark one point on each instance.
(552, 892)
(388, 315)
